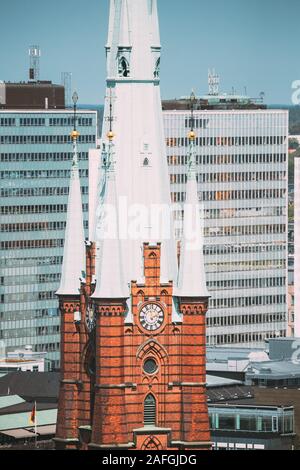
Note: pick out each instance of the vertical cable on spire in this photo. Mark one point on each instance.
(192, 137)
(75, 134)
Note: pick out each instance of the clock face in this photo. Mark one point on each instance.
(151, 317)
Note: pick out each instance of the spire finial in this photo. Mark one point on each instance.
(110, 134)
(74, 249)
(192, 134)
(192, 137)
(75, 134)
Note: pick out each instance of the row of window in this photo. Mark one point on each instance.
(32, 192)
(242, 249)
(37, 122)
(47, 330)
(34, 122)
(48, 347)
(244, 230)
(29, 332)
(253, 319)
(230, 159)
(226, 141)
(231, 177)
(45, 139)
(38, 174)
(264, 264)
(27, 297)
(256, 283)
(251, 423)
(196, 123)
(242, 338)
(10, 262)
(41, 157)
(7, 122)
(38, 209)
(29, 279)
(32, 227)
(253, 301)
(234, 195)
(29, 314)
(230, 213)
(30, 244)
(63, 122)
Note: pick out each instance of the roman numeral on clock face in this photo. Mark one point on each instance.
(151, 317)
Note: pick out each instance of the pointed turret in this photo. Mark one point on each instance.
(192, 278)
(110, 280)
(124, 40)
(74, 250)
(141, 170)
(155, 26)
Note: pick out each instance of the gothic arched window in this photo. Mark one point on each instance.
(123, 67)
(157, 69)
(150, 410)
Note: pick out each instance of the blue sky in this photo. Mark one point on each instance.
(250, 43)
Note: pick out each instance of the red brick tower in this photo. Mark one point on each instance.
(133, 330)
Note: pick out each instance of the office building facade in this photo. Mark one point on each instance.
(243, 183)
(35, 165)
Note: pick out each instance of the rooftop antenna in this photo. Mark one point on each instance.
(213, 83)
(192, 137)
(110, 134)
(34, 70)
(66, 81)
(192, 107)
(75, 134)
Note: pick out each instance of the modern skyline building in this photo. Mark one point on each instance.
(296, 318)
(35, 158)
(242, 177)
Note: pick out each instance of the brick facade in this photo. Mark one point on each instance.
(108, 406)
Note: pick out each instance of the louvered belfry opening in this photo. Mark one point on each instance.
(150, 411)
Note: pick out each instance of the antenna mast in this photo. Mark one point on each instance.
(213, 83)
(66, 81)
(34, 70)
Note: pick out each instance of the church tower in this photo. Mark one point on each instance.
(133, 327)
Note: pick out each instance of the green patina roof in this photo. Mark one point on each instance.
(22, 420)
(10, 400)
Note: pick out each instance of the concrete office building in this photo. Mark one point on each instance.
(35, 165)
(242, 181)
(296, 317)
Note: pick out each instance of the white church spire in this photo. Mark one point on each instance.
(141, 170)
(124, 40)
(110, 280)
(74, 249)
(155, 25)
(192, 278)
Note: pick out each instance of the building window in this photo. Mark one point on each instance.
(150, 411)
(123, 67)
(150, 366)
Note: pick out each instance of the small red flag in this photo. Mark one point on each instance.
(33, 413)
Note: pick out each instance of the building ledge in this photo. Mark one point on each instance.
(191, 444)
(66, 441)
(129, 445)
(152, 430)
